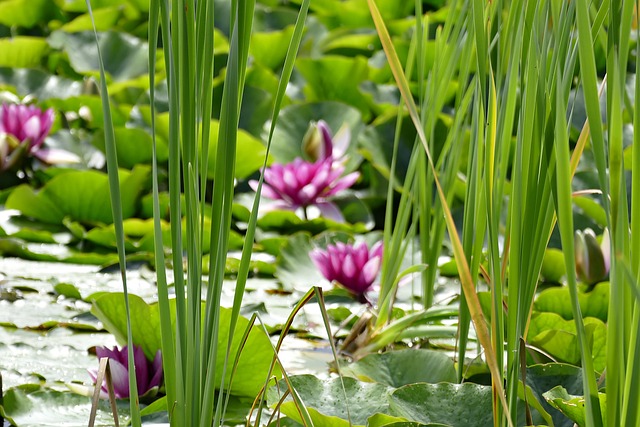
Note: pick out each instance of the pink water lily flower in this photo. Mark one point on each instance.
(148, 373)
(23, 129)
(355, 267)
(301, 184)
(26, 122)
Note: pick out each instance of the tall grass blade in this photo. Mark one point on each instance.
(116, 210)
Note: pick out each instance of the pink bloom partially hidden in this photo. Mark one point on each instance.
(355, 267)
(23, 129)
(301, 184)
(26, 122)
(148, 373)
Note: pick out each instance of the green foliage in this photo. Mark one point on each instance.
(79, 195)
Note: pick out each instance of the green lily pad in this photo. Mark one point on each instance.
(326, 401)
(553, 267)
(251, 151)
(383, 420)
(28, 356)
(26, 13)
(81, 195)
(458, 405)
(255, 358)
(39, 84)
(594, 301)
(336, 78)
(573, 406)
(124, 56)
(399, 368)
(288, 222)
(134, 146)
(22, 52)
(557, 336)
(35, 406)
(105, 19)
(542, 378)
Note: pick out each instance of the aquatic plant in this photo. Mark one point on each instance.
(319, 144)
(148, 373)
(301, 184)
(593, 259)
(23, 129)
(353, 266)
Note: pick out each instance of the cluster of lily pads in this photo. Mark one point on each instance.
(324, 198)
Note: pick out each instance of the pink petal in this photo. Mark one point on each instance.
(157, 371)
(141, 369)
(349, 267)
(345, 182)
(120, 379)
(370, 271)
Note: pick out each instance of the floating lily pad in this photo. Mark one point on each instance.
(251, 151)
(81, 195)
(38, 83)
(329, 404)
(573, 406)
(26, 354)
(553, 267)
(399, 368)
(35, 406)
(22, 52)
(26, 13)
(556, 336)
(542, 378)
(124, 56)
(457, 405)
(594, 301)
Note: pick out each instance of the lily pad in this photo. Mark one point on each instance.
(38, 83)
(23, 52)
(556, 336)
(124, 56)
(573, 406)
(251, 151)
(35, 406)
(329, 404)
(81, 195)
(27, 354)
(399, 368)
(542, 378)
(594, 301)
(255, 358)
(26, 13)
(458, 405)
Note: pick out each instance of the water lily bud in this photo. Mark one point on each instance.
(591, 265)
(317, 143)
